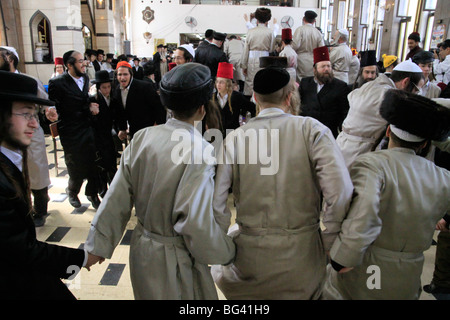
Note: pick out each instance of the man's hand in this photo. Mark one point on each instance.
(94, 108)
(51, 114)
(93, 259)
(122, 135)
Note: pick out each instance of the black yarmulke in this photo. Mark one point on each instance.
(270, 79)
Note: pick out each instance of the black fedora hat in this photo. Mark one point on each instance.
(19, 87)
(102, 76)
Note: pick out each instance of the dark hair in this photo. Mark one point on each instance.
(186, 54)
(414, 77)
(444, 45)
(5, 125)
(287, 41)
(148, 68)
(12, 56)
(71, 60)
(186, 113)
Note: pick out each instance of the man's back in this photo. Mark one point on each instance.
(279, 250)
(399, 198)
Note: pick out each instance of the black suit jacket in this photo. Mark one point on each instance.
(97, 65)
(138, 74)
(329, 106)
(143, 107)
(210, 56)
(30, 269)
(74, 126)
(240, 106)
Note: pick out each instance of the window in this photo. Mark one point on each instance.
(87, 37)
(41, 39)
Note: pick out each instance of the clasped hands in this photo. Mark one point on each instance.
(93, 259)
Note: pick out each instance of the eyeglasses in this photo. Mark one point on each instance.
(417, 88)
(28, 116)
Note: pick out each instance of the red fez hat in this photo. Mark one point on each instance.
(225, 70)
(172, 65)
(321, 54)
(123, 64)
(286, 34)
(59, 60)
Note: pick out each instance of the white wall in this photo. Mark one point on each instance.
(169, 21)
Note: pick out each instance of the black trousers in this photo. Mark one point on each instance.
(41, 200)
(91, 189)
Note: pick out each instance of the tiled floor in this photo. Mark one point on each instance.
(110, 280)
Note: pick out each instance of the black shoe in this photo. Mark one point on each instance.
(39, 221)
(432, 288)
(73, 199)
(95, 201)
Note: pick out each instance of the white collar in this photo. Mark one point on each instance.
(15, 156)
(270, 112)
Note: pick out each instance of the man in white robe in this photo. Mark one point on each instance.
(171, 185)
(259, 43)
(306, 38)
(399, 197)
(341, 55)
(288, 52)
(280, 248)
(363, 128)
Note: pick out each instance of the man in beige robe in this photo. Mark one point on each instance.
(363, 128)
(341, 55)
(306, 38)
(259, 43)
(171, 186)
(280, 248)
(399, 197)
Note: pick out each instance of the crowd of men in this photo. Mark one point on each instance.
(359, 145)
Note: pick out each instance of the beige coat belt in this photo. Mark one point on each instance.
(277, 231)
(175, 240)
(357, 138)
(395, 254)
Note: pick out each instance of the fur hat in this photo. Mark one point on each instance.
(273, 61)
(271, 79)
(368, 58)
(419, 116)
(186, 86)
(263, 15)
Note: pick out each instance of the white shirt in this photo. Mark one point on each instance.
(124, 93)
(442, 70)
(79, 81)
(222, 101)
(319, 86)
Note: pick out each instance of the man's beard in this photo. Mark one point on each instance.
(5, 67)
(15, 144)
(325, 77)
(78, 72)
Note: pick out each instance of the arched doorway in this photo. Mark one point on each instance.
(41, 38)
